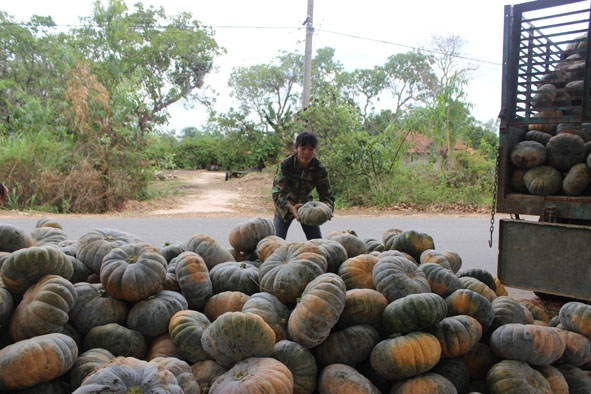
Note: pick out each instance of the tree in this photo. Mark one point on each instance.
(147, 60)
(363, 86)
(410, 79)
(268, 91)
(452, 109)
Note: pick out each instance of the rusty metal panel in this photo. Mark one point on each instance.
(549, 258)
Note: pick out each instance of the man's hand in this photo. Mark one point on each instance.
(294, 210)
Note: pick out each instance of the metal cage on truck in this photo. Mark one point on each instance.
(544, 43)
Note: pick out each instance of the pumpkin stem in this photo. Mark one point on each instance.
(240, 375)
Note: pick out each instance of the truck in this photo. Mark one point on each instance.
(545, 240)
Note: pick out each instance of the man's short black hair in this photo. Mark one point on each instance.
(306, 138)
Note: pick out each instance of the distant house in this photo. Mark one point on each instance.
(420, 148)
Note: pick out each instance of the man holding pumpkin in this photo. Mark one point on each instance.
(296, 177)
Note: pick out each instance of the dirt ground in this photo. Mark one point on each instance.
(209, 194)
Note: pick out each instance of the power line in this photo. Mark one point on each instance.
(316, 31)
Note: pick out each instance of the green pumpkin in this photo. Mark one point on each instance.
(413, 242)
(185, 329)
(414, 312)
(86, 363)
(543, 180)
(396, 277)
(24, 267)
(314, 213)
(151, 315)
(94, 245)
(13, 238)
(565, 150)
(577, 180)
(95, 307)
(301, 363)
(240, 276)
(351, 345)
(118, 339)
(528, 154)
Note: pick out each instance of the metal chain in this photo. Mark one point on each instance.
(494, 201)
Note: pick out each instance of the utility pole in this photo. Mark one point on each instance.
(308, 55)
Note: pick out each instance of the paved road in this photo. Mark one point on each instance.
(468, 236)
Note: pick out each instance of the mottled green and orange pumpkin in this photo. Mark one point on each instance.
(185, 329)
(577, 350)
(210, 250)
(129, 374)
(413, 242)
(429, 382)
(245, 236)
(181, 371)
(39, 359)
(405, 356)
(527, 154)
(334, 252)
(192, 276)
(357, 271)
(441, 280)
(516, 377)
(396, 277)
(317, 311)
(226, 301)
(236, 336)
(44, 308)
(344, 379)
(133, 271)
(274, 312)
(255, 375)
(301, 363)
(534, 344)
(457, 334)
(543, 180)
(468, 302)
(289, 269)
(363, 306)
(576, 316)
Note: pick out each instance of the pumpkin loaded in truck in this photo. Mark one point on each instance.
(543, 177)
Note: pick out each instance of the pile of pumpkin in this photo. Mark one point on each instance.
(553, 157)
(342, 314)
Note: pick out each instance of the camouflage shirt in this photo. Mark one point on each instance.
(295, 185)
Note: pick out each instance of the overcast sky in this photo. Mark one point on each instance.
(363, 34)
